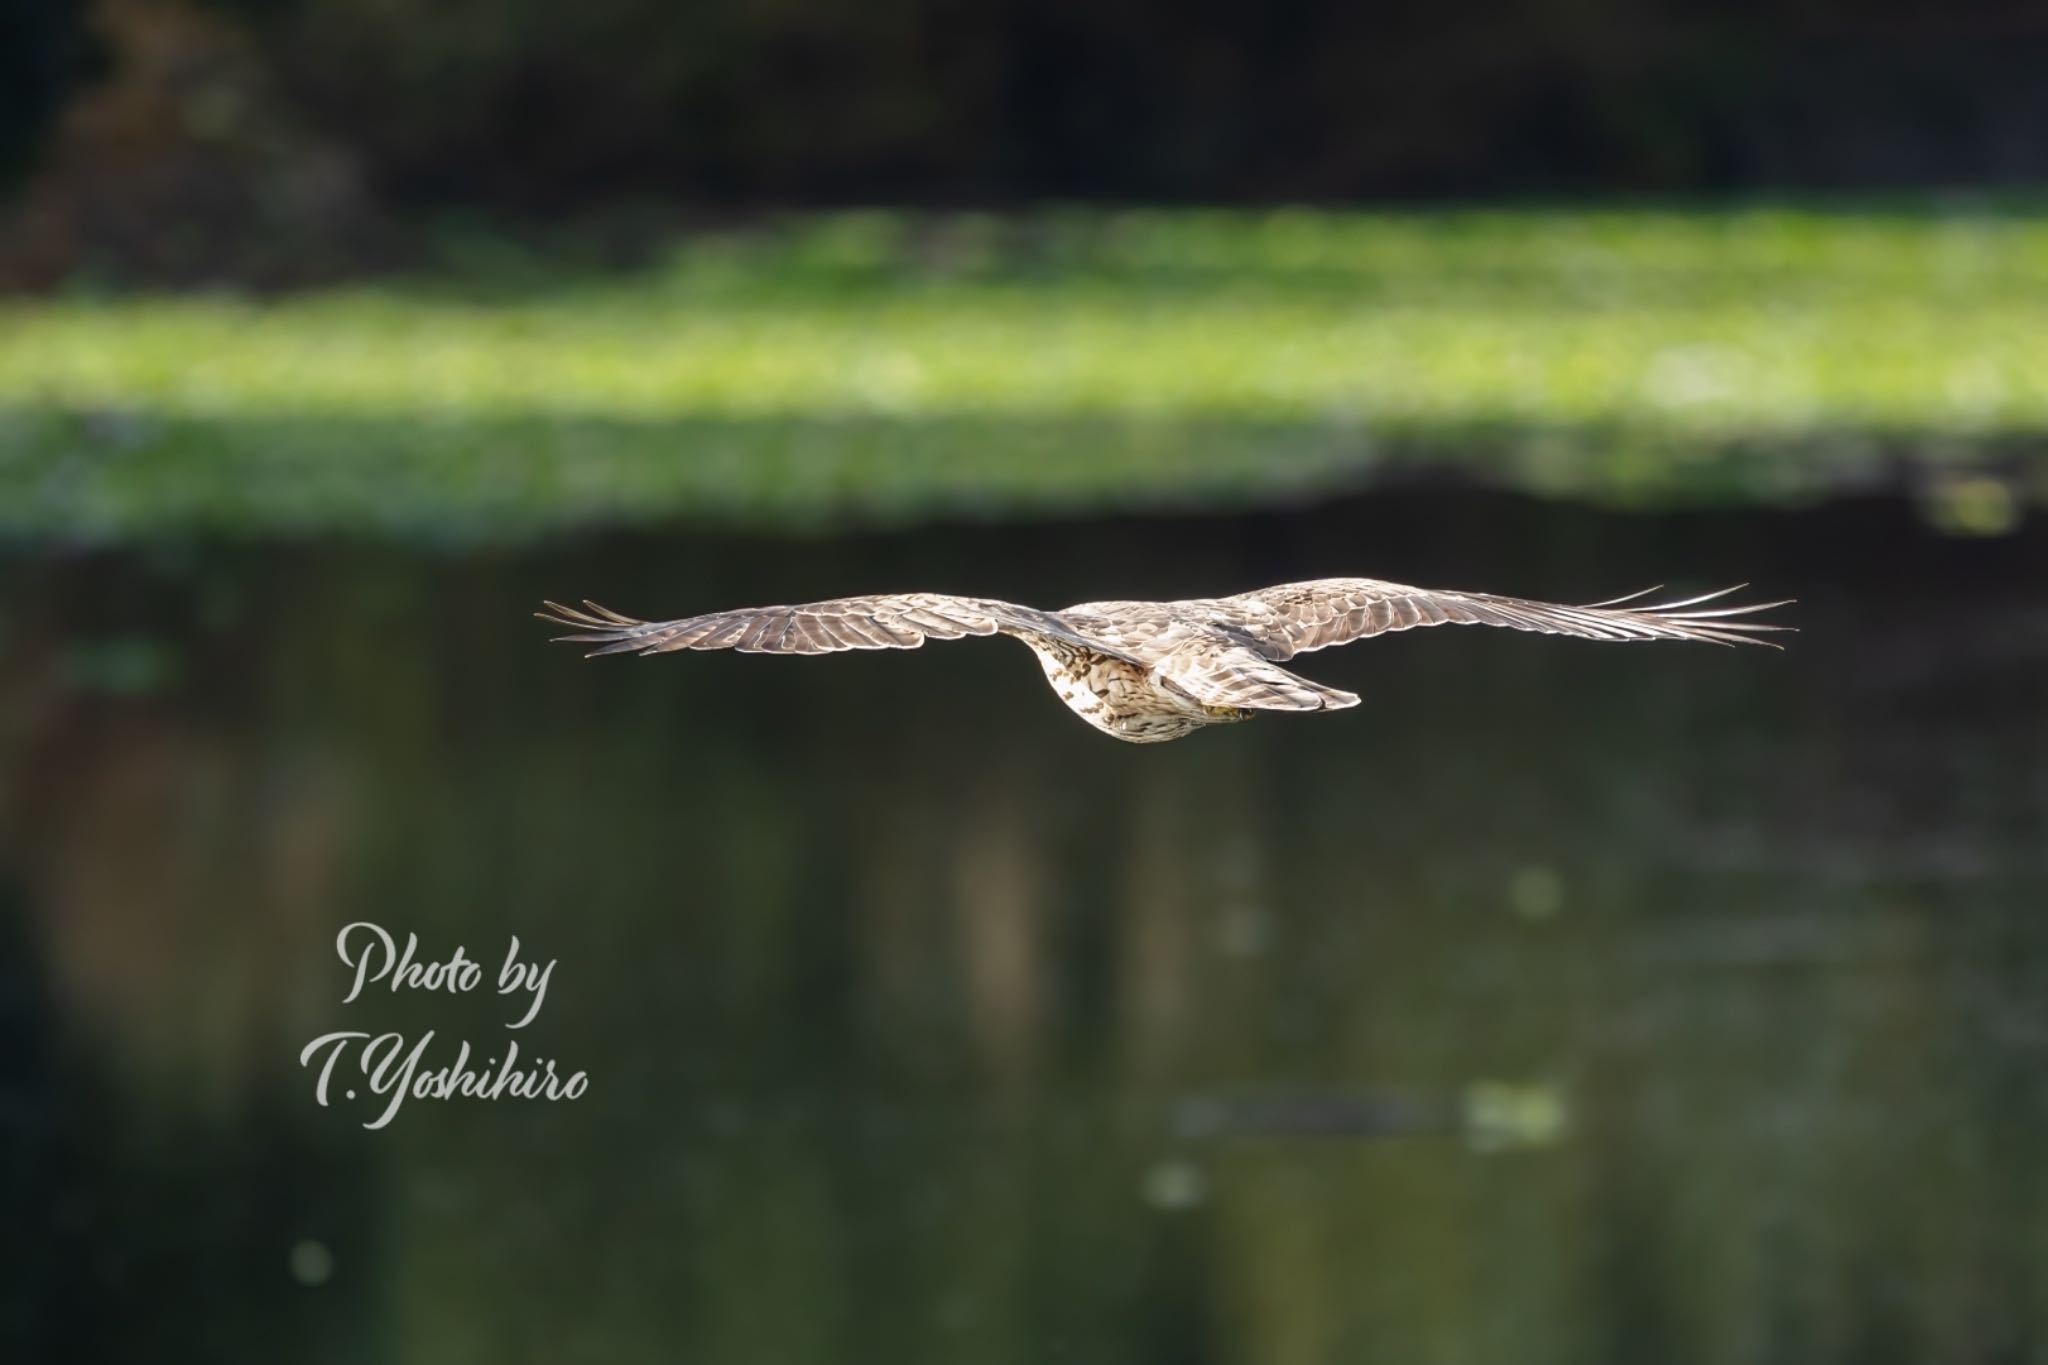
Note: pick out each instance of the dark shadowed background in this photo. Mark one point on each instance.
(1560, 1003)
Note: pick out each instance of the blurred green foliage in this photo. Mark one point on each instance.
(890, 366)
(544, 106)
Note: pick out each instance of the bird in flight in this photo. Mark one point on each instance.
(1147, 672)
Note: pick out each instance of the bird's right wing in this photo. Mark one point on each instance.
(884, 621)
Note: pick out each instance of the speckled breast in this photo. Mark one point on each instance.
(1115, 697)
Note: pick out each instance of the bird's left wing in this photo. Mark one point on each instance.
(883, 621)
(1295, 618)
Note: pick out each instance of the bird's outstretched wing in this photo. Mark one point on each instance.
(1295, 618)
(888, 621)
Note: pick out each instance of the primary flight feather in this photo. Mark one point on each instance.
(1153, 671)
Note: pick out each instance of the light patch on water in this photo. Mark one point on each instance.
(1175, 1186)
(1536, 892)
(311, 1262)
(1500, 1116)
(1243, 931)
(1972, 505)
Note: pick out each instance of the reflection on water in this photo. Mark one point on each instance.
(1561, 1003)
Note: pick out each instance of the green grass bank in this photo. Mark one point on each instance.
(886, 367)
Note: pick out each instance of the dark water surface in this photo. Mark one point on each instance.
(1562, 1003)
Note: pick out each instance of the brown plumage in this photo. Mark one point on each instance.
(1152, 671)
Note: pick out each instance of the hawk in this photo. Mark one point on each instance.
(1147, 672)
